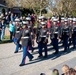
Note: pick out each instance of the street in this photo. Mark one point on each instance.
(9, 61)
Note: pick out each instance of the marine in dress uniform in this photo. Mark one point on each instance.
(16, 35)
(25, 38)
(30, 27)
(0, 29)
(39, 26)
(54, 36)
(74, 33)
(65, 35)
(43, 39)
(70, 24)
(61, 27)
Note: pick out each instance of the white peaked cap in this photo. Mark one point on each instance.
(70, 19)
(41, 17)
(62, 18)
(74, 19)
(17, 20)
(28, 18)
(25, 22)
(43, 23)
(55, 20)
(52, 18)
(65, 20)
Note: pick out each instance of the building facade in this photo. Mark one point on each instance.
(3, 7)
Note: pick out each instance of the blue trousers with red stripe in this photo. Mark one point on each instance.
(26, 53)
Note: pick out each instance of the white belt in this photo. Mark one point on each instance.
(17, 31)
(25, 37)
(55, 32)
(43, 36)
(66, 31)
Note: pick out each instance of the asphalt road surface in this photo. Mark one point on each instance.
(9, 61)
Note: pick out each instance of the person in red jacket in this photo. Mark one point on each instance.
(48, 24)
(58, 23)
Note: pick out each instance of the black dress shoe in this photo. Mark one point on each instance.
(21, 64)
(32, 50)
(40, 56)
(16, 52)
(56, 53)
(20, 47)
(31, 59)
(74, 47)
(45, 56)
(0, 41)
(65, 51)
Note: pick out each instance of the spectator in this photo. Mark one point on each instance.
(3, 29)
(72, 71)
(55, 72)
(65, 69)
(48, 23)
(0, 29)
(7, 18)
(11, 29)
(33, 18)
(75, 68)
(58, 23)
(42, 74)
(12, 17)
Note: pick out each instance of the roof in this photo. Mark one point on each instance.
(16, 11)
(1, 5)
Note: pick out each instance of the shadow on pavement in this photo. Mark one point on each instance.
(51, 56)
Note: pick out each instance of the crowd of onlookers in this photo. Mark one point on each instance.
(4, 21)
(65, 69)
(8, 20)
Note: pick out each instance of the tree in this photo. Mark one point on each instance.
(36, 5)
(11, 3)
(66, 7)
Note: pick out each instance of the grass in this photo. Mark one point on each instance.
(7, 37)
(5, 40)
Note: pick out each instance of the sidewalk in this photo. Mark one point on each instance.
(9, 62)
